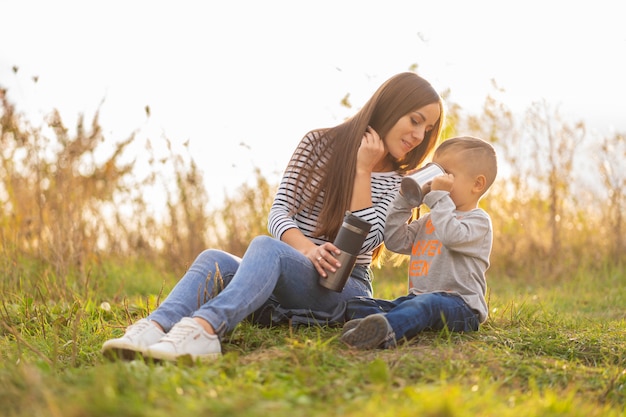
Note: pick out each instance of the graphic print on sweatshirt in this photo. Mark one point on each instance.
(422, 253)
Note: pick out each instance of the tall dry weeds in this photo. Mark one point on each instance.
(610, 160)
(66, 203)
(53, 191)
(66, 208)
(544, 224)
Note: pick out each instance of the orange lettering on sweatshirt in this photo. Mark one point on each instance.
(426, 247)
(418, 268)
(429, 227)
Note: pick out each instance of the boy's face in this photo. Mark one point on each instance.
(463, 192)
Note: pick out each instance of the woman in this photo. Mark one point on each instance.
(355, 166)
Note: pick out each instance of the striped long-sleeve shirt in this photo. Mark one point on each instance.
(385, 186)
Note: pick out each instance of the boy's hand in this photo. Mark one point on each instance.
(442, 182)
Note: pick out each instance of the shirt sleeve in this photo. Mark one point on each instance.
(399, 235)
(286, 200)
(463, 232)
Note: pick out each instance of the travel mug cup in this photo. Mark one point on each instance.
(349, 240)
(411, 185)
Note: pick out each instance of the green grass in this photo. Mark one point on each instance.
(548, 349)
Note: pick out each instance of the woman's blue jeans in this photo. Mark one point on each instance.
(411, 314)
(268, 268)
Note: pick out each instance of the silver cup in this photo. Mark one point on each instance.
(412, 185)
(349, 240)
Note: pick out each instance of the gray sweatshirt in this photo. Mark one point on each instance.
(449, 249)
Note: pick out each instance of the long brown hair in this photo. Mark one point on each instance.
(333, 161)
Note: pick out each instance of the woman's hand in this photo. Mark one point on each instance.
(323, 258)
(371, 151)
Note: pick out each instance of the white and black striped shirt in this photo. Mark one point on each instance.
(385, 186)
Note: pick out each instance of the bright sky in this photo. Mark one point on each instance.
(263, 73)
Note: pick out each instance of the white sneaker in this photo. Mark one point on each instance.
(187, 339)
(136, 340)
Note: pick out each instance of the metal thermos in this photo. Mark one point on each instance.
(349, 240)
(411, 185)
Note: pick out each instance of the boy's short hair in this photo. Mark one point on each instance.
(480, 155)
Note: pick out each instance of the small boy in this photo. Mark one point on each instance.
(449, 248)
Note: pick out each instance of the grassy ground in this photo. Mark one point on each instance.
(548, 349)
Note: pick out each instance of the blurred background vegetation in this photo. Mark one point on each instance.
(72, 201)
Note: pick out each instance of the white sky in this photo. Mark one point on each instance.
(263, 72)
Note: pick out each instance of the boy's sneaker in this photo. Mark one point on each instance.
(370, 333)
(349, 325)
(135, 341)
(186, 340)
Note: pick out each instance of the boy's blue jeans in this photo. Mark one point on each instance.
(411, 314)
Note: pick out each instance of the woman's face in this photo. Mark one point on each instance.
(410, 129)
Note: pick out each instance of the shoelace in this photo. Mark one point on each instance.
(137, 328)
(178, 333)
